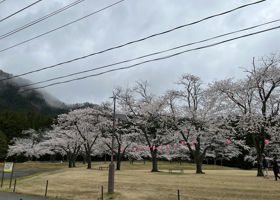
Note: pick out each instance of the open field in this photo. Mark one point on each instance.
(137, 182)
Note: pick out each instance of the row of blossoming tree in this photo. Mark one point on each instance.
(194, 120)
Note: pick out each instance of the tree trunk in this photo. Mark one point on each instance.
(70, 164)
(69, 159)
(259, 146)
(88, 161)
(259, 158)
(198, 158)
(74, 160)
(84, 159)
(118, 162)
(154, 160)
(199, 166)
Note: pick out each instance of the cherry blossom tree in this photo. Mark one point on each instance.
(254, 101)
(76, 131)
(64, 140)
(196, 118)
(125, 137)
(29, 144)
(89, 123)
(149, 117)
(225, 150)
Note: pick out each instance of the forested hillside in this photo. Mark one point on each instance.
(23, 110)
(12, 123)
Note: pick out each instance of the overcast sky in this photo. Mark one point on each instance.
(130, 20)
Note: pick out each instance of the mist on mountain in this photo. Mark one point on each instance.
(13, 98)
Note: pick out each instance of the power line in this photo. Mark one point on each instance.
(39, 19)
(60, 27)
(2, 1)
(20, 10)
(128, 43)
(156, 59)
(151, 54)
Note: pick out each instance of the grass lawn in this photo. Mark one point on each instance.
(137, 182)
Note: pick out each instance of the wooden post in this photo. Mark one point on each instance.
(178, 194)
(2, 179)
(15, 184)
(46, 192)
(111, 175)
(102, 192)
(11, 177)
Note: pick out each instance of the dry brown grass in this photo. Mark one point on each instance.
(133, 183)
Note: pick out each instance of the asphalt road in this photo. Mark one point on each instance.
(23, 172)
(12, 196)
(20, 173)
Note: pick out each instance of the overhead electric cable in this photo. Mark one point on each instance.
(40, 19)
(60, 27)
(20, 10)
(2, 1)
(128, 43)
(156, 59)
(151, 54)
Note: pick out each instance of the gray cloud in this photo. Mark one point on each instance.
(131, 20)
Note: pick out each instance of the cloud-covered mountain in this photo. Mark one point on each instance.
(12, 97)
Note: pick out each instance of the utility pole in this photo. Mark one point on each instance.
(111, 176)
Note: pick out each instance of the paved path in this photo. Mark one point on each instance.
(21, 173)
(24, 172)
(12, 196)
